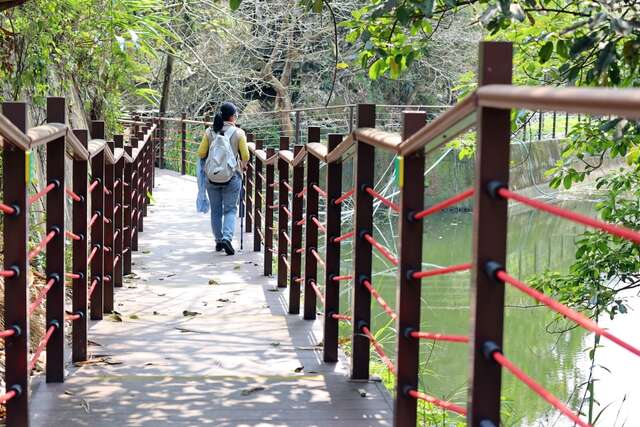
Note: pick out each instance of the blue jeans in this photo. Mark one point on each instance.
(224, 205)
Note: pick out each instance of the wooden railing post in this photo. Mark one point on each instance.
(363, 223)
(311, 239)
(129, 210)
(332, 255)
(283, 219)
(118, 217)
(297, 206)
(408, 289)
(109, 205)
(257, 200)
(16, 297)
(248, 190)
(55, 254)
(268, 216)
(489, 238)
(80, 253)
(135, 193)
(183, 144)
(97, 229)
(161, 140)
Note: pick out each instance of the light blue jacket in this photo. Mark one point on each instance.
(202, 201)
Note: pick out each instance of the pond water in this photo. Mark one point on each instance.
(534, 338)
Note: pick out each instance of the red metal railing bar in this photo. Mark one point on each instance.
(93, 253)
(344, 237)
(93, 287)
(537, 388)
(318, 224)
(562, 309)
(343, 317)
(388, 203)
(276, 206)
(7, 209)
(287, 211)
(299, 280)
(441, 270)
(39, 195)
(7, 273)
(344, 197)
(116, 260)
(93, 185)
(41, 346)
(73, 317)
(300, 250)
(7, 333)
(115, 210)
(314, 285)
(287, 186)
(42, 244)
(383, 251)
(72, 236)
(43, 293)
(73, 276)
(301, 222)
(73, 195)
(301, 193)
(341, 278)
(367, 284)
(317, 256)
(616, 230)
(378, 348)
(8, 396)
(439, 337)
(286, 237)
(445, 204)
(286, 261)
(319, 190)
(93, 219)
(438, 402)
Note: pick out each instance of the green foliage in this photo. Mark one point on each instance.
(99, 48)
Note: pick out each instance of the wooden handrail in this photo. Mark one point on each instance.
(299, 158)
(286, 155)
(599, 101)
(260, 155)
(317, 150)
(443, 128)
(338, 152)
(80, 152)
(40, 135)
(379, 138)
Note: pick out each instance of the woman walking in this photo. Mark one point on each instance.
(224, 146)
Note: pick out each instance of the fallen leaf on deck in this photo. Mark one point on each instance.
(94, 343)
(161, 295)
(248, 391)
(185, 330)
(237, 267)
(146, 252)
(171, 275)
(223, 300)
(134, 317)
(213, 282)
(363, 392)
(190, 313)
(299, 369)
(273, 290)
(68, 393)
(115, 317)
(275, 344)
(97, 361)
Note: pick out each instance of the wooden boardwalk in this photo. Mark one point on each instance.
(203, 339)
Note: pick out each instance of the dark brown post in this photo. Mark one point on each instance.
(128, 211)
(311, 239)
(408, 290)
(154, 144)
(364, 171)
(283, 219)
(332, 255)
(135, 196)
(297, 205)
(183, 145)
(268, 216)
(80, 253)
(248, 190)
(257, 199)
(55, 269)
(118, 216)
(161, 140)
(109, 205)
(15, 235)
(489, 238)
(97, 230)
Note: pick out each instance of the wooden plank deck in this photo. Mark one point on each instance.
(241, 361)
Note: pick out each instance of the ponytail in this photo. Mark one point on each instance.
(218, 123)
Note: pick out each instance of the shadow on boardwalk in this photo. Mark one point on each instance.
(240, 361)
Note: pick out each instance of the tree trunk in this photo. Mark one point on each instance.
(166, 84)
